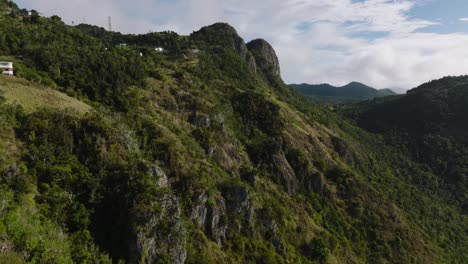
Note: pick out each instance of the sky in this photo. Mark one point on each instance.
(382, 43)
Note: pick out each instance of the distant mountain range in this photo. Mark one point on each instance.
(352, 92)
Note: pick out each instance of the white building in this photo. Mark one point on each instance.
(159, 49)
(6, 67)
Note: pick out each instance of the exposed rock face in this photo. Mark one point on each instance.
(161, 177)
(265, 57)
(210, 217)
(163, 235)
(284, 173)
(216, 226)
(343, 149)
(234, 204)
(228, 155)
(158, 233)
(317, 183)
(200, 120)
(200, 210)
(268, 228)
(239, 207)
(252, 63)
(222, 34)
(306, 175)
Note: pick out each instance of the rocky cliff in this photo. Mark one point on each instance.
(226, 36)
(265, 57)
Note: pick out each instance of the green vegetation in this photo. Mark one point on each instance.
(430, 124)
(352, 92)
(32, 96)
(201, 157)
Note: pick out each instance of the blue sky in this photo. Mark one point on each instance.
(383, 43)
(447, 13)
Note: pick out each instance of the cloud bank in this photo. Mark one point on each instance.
(374, 41)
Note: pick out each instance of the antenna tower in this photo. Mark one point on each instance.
(110, 23)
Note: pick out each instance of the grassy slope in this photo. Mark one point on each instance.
(32, 96)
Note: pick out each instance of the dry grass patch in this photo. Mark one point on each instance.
(32, 96)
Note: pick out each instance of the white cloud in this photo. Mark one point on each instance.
(408, 61)
(373, 41)
(463, 19)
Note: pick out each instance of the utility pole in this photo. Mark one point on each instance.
(110, 23)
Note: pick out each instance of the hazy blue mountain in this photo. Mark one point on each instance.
(352, 92)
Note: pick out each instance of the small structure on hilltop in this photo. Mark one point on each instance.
(6, 67)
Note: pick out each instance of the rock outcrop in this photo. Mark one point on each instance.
(343, 149)
(200, 120)
(158, 231)
(224, 35)
(265, 57)
(240, 208)
(283, 173)
(210, 217)
(161, 178)
(163, 234)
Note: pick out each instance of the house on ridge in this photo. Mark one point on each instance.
(6, 67)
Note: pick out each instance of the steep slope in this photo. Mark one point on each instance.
(430, 121)
(203, 157)
(352, 92)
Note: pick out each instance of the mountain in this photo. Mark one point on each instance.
(398, 90)
(352, 92)
(197, 157)
(431, 123)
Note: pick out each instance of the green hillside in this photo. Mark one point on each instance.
(32, 96)
(197, 157)
(430, 123)
(352, 92)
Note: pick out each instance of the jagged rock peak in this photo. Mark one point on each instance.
(224, 35)
(220, 26)
(221, 34)
(265, 56)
